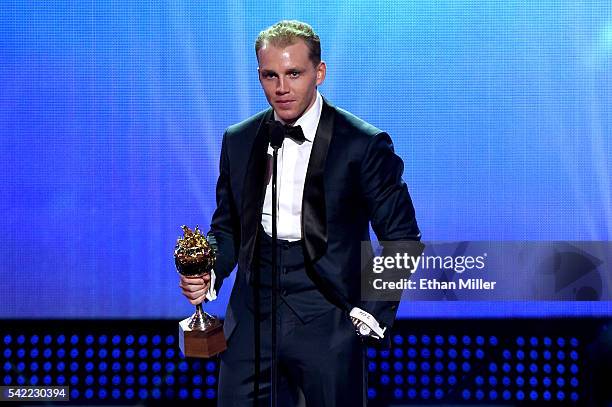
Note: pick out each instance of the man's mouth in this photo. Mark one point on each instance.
(284, 103)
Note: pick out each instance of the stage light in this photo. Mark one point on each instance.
(129, 353)
(398, 339)
(156, 393)
(169, 380)
(520, 381)
(438, 366)
(47, 353)
(21, 380)
(384, 353)
(170, 367)
(560, 355)
(492, 381)
(384, 379)
(520, 355)
(398, 393)
(412, 394)
(398, 367)
(33, 366)
(492, 395)
(452, 340)
(547, 341)
(479, 394)
(74, 394)
(7, 366)
(546, 381)
(116, 393)
(74, 339)
(560, 342)
(197, 394)
(211, 380)
(60, 353)
(102, 353)
(506, 381)
(520, 341)
(533, 381)
(129, 380)
(466, 353)
(34, 353)
(60, 380)
(425, 380)
(574, 382)
(412, 353)
(479, 380)
(547, 369)
(492, 367)
(89, 380)
(452, 366)
(47, 339)
(412, 380)
(115, 367)
(60, 366)
(8, 339)
(439, 340)
(169, 339)
(439, 394)
(371, 353)
(102, 339)
(371, 367)
(438, 353)
(560, 382)
(452, 353)
(89, 353)
(546, 395)
(47, 380)
(493, 341)
(425, 394)
(398, 353)
(102, 380)
(574, 396)
(438, 380)
(520, 395)
(116, 339)
(33, 380)
(169, 353)
(142, 380)
(384, 366)
(20, 340)
(129, 394)
(466, 394)
(560, 395)
(412, 340)
(7, 353)
(533, 395)
(520, 367)
(157, 381)
(506, 354)
(506, 395)
(74, 366)
(102, 394)
(466, 367)
(129, 367)
(142, 367)
(574, 342)
(479, 354)
(560, 368)
(452, 380)
(7, 380)
(425, 366)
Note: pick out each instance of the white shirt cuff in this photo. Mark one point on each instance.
(369, 325)
(211, 294)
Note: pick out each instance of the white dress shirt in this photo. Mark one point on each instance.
(292, 166)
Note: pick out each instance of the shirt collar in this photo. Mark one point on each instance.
(310, 119)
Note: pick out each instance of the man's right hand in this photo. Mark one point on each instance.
(195, 288)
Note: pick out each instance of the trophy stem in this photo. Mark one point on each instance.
(200, 320)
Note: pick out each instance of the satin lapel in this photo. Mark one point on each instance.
(253, 191)
(314, 218)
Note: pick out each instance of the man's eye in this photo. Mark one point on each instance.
(294, 74)
(269, 76)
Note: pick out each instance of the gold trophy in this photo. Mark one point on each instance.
(200, 335)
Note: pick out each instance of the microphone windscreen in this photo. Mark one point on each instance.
(277, 134)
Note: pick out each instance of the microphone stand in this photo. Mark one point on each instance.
(276, 141)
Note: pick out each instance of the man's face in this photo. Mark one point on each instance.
(289, 79)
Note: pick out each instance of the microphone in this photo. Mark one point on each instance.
(277, 134)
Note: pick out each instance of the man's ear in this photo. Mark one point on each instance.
(321, 71)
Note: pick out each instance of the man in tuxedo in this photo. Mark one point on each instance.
(337, 174)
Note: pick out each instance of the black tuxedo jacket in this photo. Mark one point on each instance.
(353, 178)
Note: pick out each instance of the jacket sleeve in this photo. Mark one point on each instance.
(224, 233)
(389, 208)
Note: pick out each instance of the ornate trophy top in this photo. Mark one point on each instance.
(193, 254)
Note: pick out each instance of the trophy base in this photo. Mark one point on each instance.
(201, 343)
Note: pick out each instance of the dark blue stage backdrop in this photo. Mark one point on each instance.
(112, 113)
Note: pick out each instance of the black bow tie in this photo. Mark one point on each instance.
(295, 133)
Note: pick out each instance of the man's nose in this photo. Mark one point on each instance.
(282, 86)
